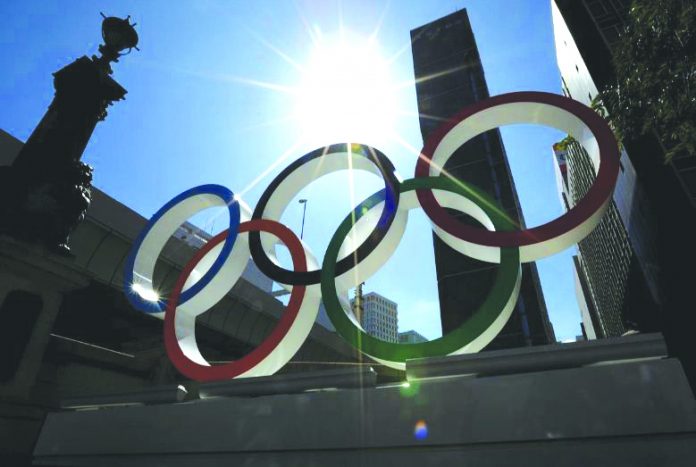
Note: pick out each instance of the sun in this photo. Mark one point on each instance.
(346, 93)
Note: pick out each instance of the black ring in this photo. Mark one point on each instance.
(391, 185)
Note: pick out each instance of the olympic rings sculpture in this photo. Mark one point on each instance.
(376, 226)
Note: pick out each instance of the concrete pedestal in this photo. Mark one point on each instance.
(635, 410)
(43, 277)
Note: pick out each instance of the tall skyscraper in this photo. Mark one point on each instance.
(618, 261)
(449, 76)
(659, 209)
(617, 293)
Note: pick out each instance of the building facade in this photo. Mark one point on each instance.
(449, 76)
(585, 33)
(617, 263)
(380, 317)
(411, 337)
(615, 290)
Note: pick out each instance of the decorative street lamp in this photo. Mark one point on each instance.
(45, 193)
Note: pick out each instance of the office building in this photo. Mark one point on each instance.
(664, 199)
(379, 317)
(614, 291)
(411, 337)
(617, 263)
(446, 50)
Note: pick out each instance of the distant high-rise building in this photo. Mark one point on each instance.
(411, 337)
(379, 317)
(449, 76)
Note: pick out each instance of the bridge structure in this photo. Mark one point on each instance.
(70, 333)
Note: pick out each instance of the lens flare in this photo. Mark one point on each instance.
(146, 293)
(409, 388)
(420, 431)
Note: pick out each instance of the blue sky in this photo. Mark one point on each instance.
(212, 99)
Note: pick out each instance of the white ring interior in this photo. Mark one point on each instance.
(383, 252)
(286, 191)
(529, 113)
(186, 314)
(158, 235)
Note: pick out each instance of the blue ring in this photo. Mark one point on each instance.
(160, 306)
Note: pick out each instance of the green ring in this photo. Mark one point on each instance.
(507, 279)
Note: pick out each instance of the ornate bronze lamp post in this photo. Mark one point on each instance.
(45, 193)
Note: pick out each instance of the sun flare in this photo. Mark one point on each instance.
(346, 93)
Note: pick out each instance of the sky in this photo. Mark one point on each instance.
(225, 92)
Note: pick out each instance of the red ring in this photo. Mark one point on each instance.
(230, 370)
(598, 194)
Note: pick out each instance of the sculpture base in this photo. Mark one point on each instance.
(32, 286)
(625, 413)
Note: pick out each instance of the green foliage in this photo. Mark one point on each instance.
(655, 61)
(565, 142)
(598, 106)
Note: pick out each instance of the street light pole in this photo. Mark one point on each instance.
(304, 211)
